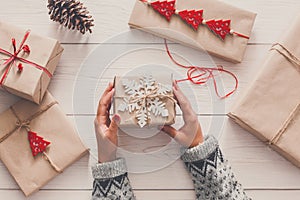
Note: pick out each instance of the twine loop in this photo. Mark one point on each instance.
(23, 124)
(285, 52)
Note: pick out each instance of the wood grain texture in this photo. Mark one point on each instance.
(189, 195)
(145, 195)
(111, 18)
(264, 173)
(69, 72)
(250, 159)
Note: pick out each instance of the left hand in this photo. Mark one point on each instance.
(190, 134)
(106, 130)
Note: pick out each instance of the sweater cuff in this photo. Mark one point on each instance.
(109, 169)
(201, 151)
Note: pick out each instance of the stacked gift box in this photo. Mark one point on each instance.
(37, 141)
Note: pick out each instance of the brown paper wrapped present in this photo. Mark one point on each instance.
(144, 101)
(28, 62)
(232, 48)
(48, 121)
(270, 109)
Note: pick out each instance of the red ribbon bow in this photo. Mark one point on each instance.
(13, 57)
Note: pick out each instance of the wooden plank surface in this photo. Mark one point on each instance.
(145, 194)
(262, 171)
(111, 18)
(250, 159)
(62, 84)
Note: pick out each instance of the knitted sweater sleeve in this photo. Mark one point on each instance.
(111, 181)
(211, 174)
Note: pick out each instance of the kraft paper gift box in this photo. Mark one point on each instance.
(28, 74)
(138, 108)
(47, 121)
(232, 48)
(270, 109)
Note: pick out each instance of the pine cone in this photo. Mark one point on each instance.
(71, 14)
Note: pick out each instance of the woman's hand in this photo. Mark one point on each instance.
(190, 134)
(106, 129)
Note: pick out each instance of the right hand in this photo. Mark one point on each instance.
(190, 134)
(106, 129)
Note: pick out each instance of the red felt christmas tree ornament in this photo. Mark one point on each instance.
(165, 8)
(37, 143)
(194, 18)
(220, 27)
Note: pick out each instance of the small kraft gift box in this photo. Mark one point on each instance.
(37, 142)
(270, 109)
(144, 101)
(211, 25)
(27, 62)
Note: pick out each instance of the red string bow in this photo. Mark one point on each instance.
(13, 57)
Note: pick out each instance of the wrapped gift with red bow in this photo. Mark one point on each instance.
(37, 142)
(27, 62)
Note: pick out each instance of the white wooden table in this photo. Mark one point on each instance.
(263, 172)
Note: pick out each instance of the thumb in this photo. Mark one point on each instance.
(172, 132)
(115, 122)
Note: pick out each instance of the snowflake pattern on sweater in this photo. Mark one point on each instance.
(211, 174)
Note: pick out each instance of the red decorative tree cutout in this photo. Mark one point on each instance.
(192, 17)
(37, 143)
(165, 8)
(219, 27)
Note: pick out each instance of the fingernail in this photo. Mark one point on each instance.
(117, 119)
(175, 85)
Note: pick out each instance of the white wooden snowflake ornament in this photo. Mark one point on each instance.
(144, 97)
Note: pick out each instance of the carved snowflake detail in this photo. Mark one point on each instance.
(145, 97)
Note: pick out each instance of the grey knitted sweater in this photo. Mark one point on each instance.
(212, 176)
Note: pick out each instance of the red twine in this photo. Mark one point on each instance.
(203, 75)
(10, 62)
(241, 35)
